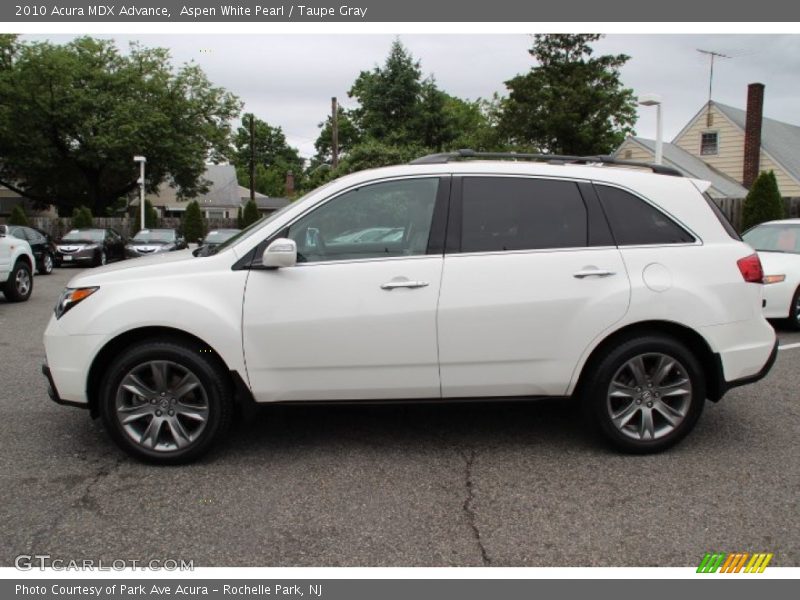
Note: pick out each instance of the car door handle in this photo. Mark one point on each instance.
(403, 283)
(592, 272)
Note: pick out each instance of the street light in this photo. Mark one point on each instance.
(141, 160)
(655, 100)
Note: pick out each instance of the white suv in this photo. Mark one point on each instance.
(551, 277)
(16, 268)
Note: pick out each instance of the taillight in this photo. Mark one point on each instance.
(750, 267)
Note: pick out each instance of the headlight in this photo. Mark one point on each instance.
(165, 248)
(774, 278)
(72, 296)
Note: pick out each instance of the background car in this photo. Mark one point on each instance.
(16, 268)
(42, 245)
(778, 246)
(153, 241)
(214, 238)
(89, 245)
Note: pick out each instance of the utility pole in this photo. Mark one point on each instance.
(334, 133)
(252, 158)
(713, 55)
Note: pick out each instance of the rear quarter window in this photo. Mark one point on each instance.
(634, 222)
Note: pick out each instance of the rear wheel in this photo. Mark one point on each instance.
(19, 285)
(646, 394)
(164, 402)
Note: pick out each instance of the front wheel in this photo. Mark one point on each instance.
(101, 259)
(164, 402)
(19, 285)
(794, 311)
(646, 394)
(46, 266)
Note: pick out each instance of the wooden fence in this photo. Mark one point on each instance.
(732, 207)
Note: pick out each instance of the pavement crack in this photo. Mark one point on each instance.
(85, 501)
(467, 507)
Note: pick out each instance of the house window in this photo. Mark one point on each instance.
(628, 155)
(709, 143)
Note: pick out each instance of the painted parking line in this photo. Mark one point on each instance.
(789, 346)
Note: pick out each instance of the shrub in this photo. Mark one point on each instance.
(250, 214)
(81, 217)
(240, 218)
(194, 225)
(763, 203)
(17, 216)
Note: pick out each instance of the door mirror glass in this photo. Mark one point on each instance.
(280, 253)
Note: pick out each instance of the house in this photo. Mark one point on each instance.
(9, 199)
(222, 200)
(733, 146)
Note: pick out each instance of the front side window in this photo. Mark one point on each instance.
(635, 223)
(374, 221)
(516, 213)
(709, 143)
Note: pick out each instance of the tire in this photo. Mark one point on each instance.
(793, 321)
(47, 264)
(100, 259)
(19, 285)
(165, 428)
(648, 406)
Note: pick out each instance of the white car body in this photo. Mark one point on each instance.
(481, 328)
(13, 249)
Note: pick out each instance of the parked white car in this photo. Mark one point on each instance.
(778, 245)
(623, 287)
(16, 268)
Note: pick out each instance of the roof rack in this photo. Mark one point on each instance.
(605, 159)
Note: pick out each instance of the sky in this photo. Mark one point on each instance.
(288, 80)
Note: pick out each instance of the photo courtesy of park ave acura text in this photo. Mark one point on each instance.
(398, 300)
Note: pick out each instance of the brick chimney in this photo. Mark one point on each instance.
(289, 184)
(752, 133)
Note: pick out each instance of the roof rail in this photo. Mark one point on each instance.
(605, 159)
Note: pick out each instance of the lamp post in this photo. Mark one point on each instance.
(655, 100)
(141, 160)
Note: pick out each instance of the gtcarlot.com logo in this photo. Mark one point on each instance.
(734, 562)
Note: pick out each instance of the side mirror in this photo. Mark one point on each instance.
(280, 253)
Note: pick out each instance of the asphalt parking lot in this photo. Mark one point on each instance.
(447, 485)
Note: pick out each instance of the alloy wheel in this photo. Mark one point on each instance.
(649, 396)
(23, 282)
(162, 406)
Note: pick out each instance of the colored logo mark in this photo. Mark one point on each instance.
(734, 562)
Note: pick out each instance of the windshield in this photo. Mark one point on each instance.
(775, 238)
(219, 235)
(86, 235)
(155, 235)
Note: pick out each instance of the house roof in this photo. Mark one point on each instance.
(223, 191)
(691, 166)
(778, 139)
(270, 203)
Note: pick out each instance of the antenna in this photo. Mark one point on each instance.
(713, 55)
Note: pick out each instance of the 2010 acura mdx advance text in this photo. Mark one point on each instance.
(547, 277)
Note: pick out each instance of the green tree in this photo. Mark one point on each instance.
(571, 102)
(72, 116)
(239, 218)
(272, 154)
(763, 203)
(17, 216)
(81, 217)
(194, 225)
(250, 214)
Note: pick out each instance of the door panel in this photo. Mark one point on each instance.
(331, 332)
(515, 324)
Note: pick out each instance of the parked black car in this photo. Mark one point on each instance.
(93, 246)
(215, 237)
(42, 245)
(153, 241)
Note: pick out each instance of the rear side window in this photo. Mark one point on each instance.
(634, 222)
(507, 213)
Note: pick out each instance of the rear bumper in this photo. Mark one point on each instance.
(725, 386)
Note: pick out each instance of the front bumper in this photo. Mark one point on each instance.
(76, 257)
(778, 300)
(52, 390)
